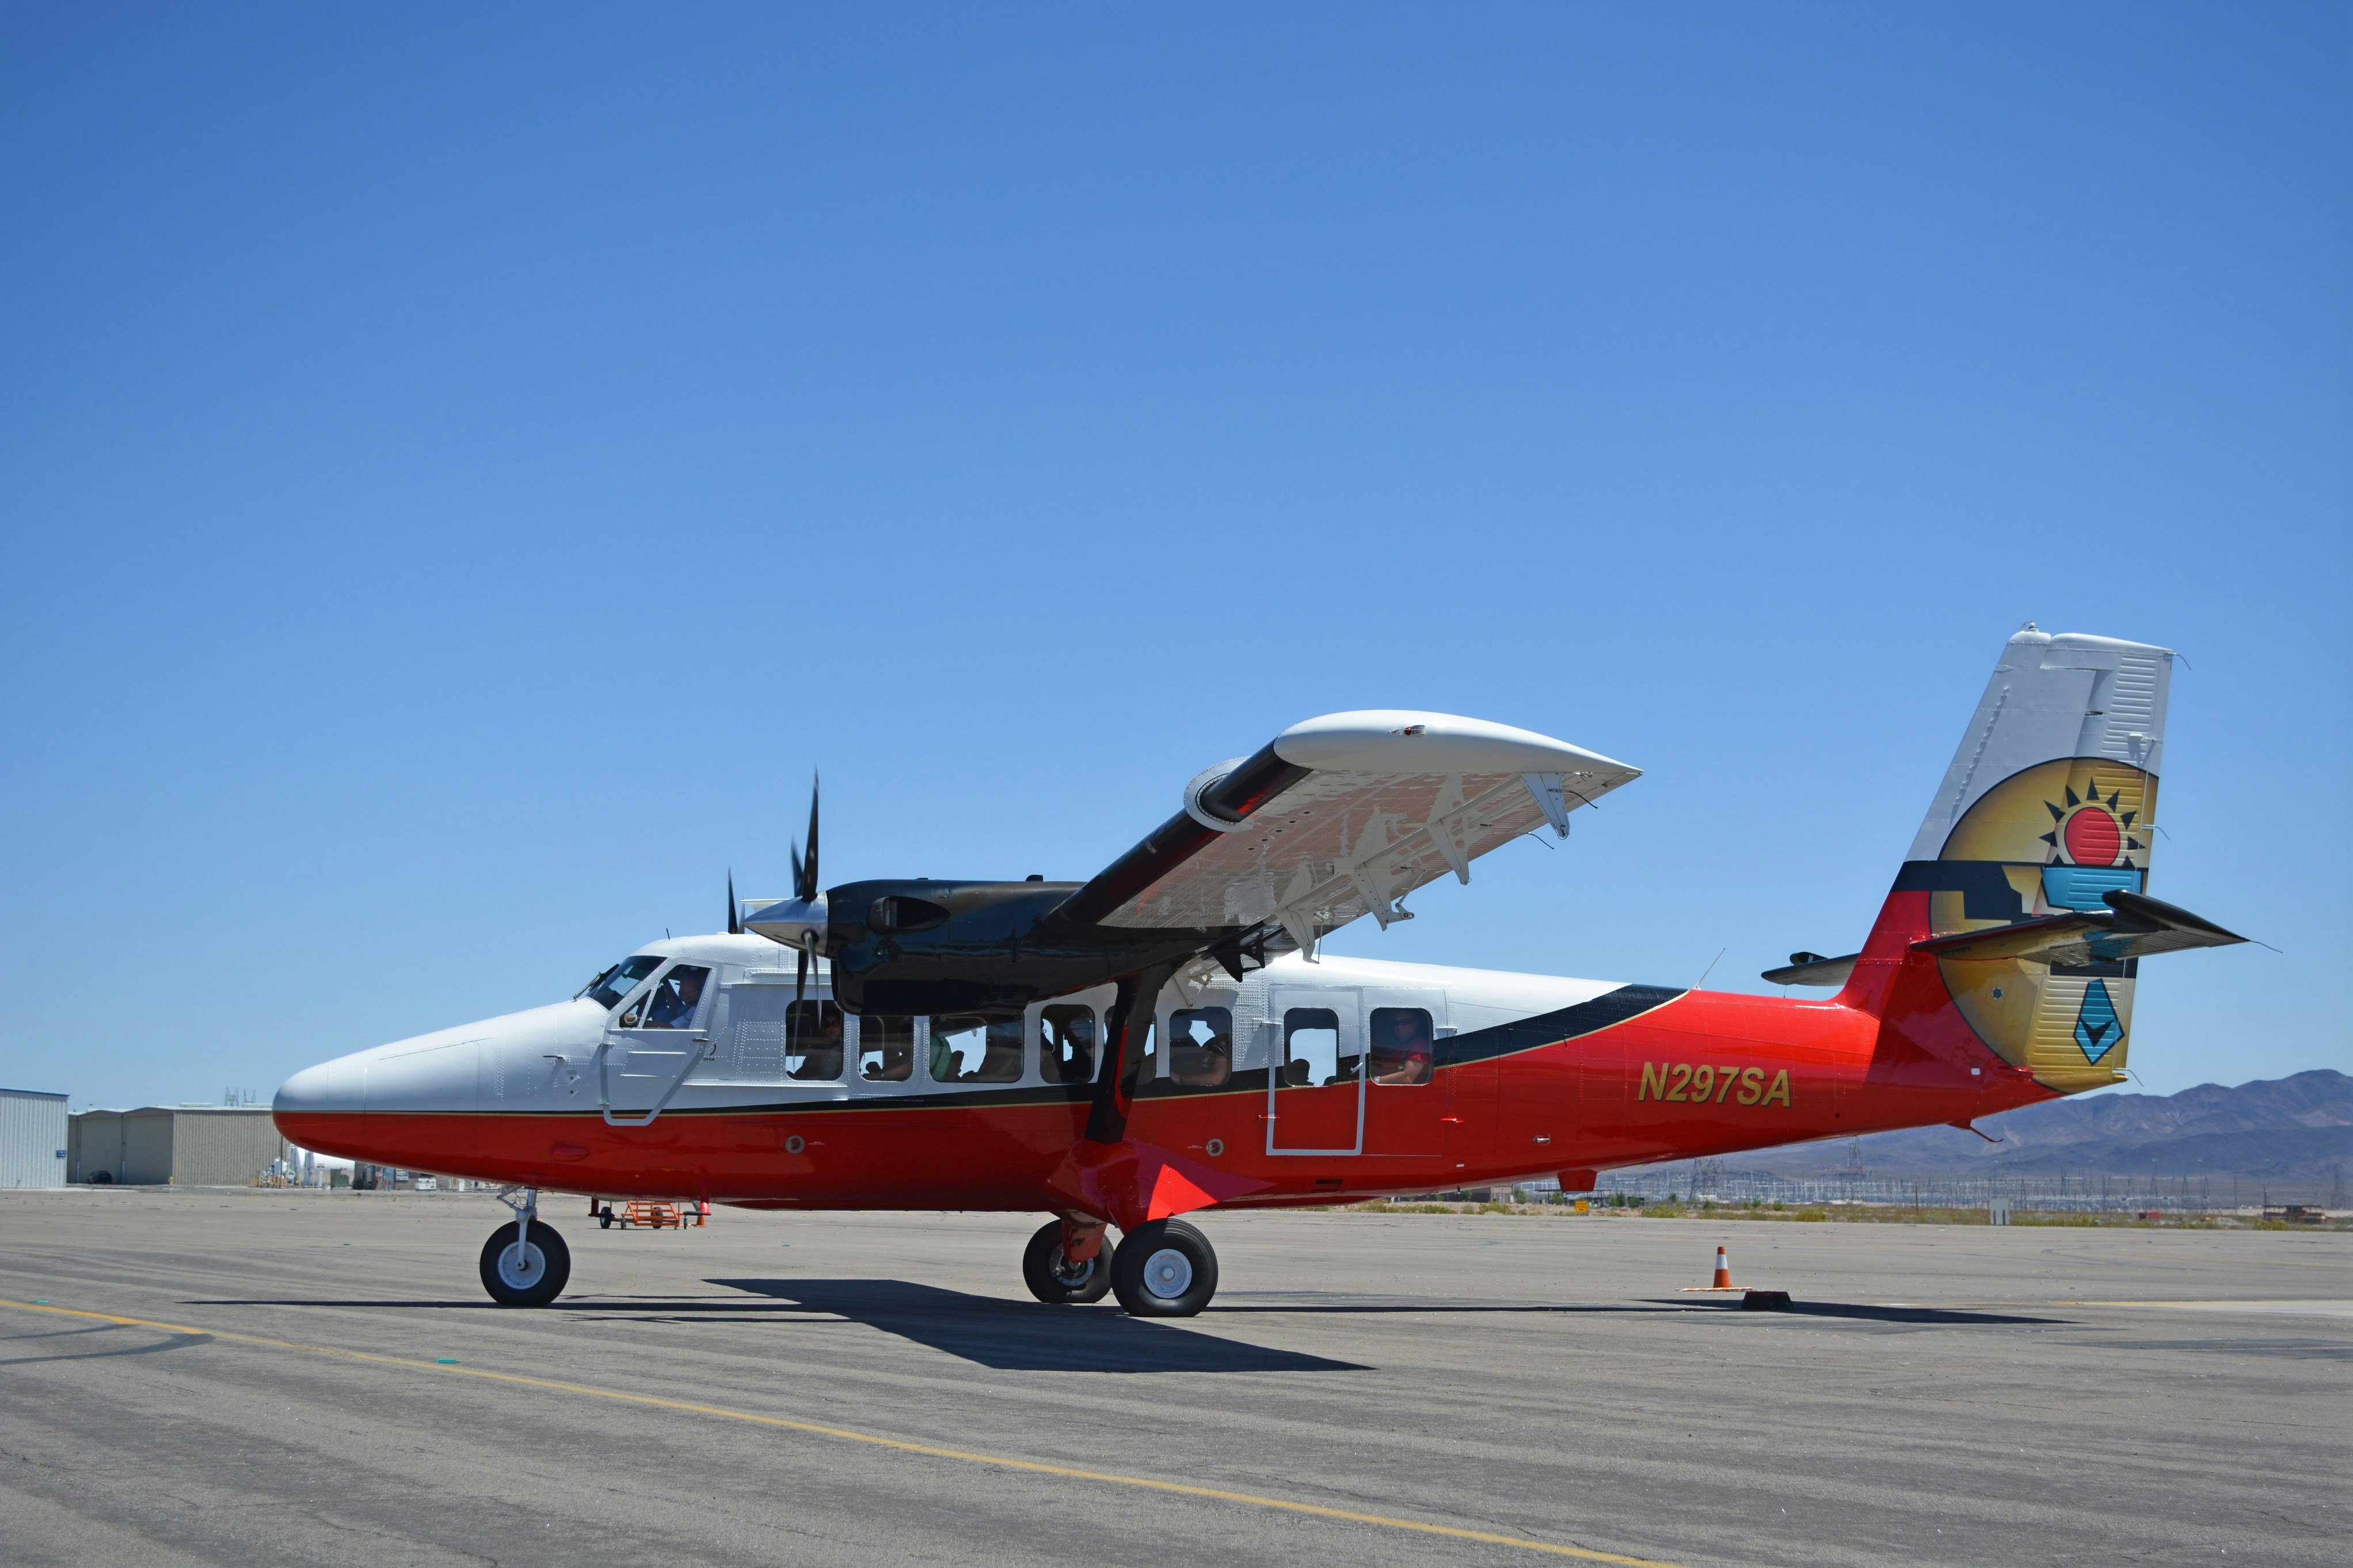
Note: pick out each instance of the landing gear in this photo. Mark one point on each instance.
(1054, 1279)
(525, 1263)
(1164, 1270)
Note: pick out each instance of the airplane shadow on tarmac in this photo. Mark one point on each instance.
(1020, 1336)
(1010, 1336)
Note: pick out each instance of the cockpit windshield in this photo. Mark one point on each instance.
(619, 981)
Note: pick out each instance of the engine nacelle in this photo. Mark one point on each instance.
(930, 947)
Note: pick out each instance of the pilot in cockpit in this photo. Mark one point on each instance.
(675, 997)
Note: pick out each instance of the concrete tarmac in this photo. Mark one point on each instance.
(1937, 1396)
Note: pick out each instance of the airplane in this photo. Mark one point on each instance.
(1167, 1037)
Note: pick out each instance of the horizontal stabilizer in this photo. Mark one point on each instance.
(1813, 968)
(2135, 926)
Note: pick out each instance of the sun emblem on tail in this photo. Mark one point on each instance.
(2089, 831)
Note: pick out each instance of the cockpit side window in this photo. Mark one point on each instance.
(607, 989)
(674, 998)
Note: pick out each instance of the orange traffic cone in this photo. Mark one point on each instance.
(1722, 1272)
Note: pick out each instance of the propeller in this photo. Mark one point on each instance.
(799, 921)
(734, 917)
(804, 889)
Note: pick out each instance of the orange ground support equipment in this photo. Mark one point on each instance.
(664, 1217)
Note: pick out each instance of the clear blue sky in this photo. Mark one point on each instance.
(462, 467)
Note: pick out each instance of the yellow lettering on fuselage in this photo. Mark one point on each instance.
(1702, 1083)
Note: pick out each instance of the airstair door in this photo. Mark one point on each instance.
(1316, 1093)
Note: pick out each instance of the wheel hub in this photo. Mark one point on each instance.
(522, 1265)
(1168, 1273)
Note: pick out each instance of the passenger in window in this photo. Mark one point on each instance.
(886, 1048)
(1311, 1037)
(1066, 1045)
(1402, 1045)
(1202, 1046)
(813, 1032)
(966, 1048)
(955, 1040)
(675, 997)
(1001, 1053)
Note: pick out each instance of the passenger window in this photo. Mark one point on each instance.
(608, 988)
(1066, 1045)
(1201, 1047)
(813, 1032)
(672, 1003)
(886, 1048)
(1311, 1047)
(1400, 1045)
(967, 1048)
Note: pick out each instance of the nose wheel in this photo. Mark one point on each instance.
(1164, 1270)
(525, 1271)
(525, 1263)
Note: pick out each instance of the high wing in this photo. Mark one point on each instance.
(2137, 927)
(1339, 817)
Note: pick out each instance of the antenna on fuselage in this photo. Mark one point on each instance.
(735, 911)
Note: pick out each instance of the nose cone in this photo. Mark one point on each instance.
(314, 1091)
(325, 1107)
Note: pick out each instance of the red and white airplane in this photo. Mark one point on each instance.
(1165, 1039)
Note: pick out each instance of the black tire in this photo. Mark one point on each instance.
(543, 1272)
(1051, 1278)
(1153, 1285)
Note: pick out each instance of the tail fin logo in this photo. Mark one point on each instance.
(2096, 1028)
(2090, 832)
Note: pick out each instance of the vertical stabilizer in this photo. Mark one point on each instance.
(2049, 803)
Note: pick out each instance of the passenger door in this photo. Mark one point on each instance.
(1316, 1093)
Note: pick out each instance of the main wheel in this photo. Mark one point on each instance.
(1164, 1269)
(1054, 1278)
(531, 1274)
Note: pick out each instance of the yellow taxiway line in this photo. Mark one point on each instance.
(1143, 1483)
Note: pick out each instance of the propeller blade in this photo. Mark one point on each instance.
(734, 914)
(805, 880)
(800, 984)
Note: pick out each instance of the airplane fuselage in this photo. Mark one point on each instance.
(1272, 1092)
